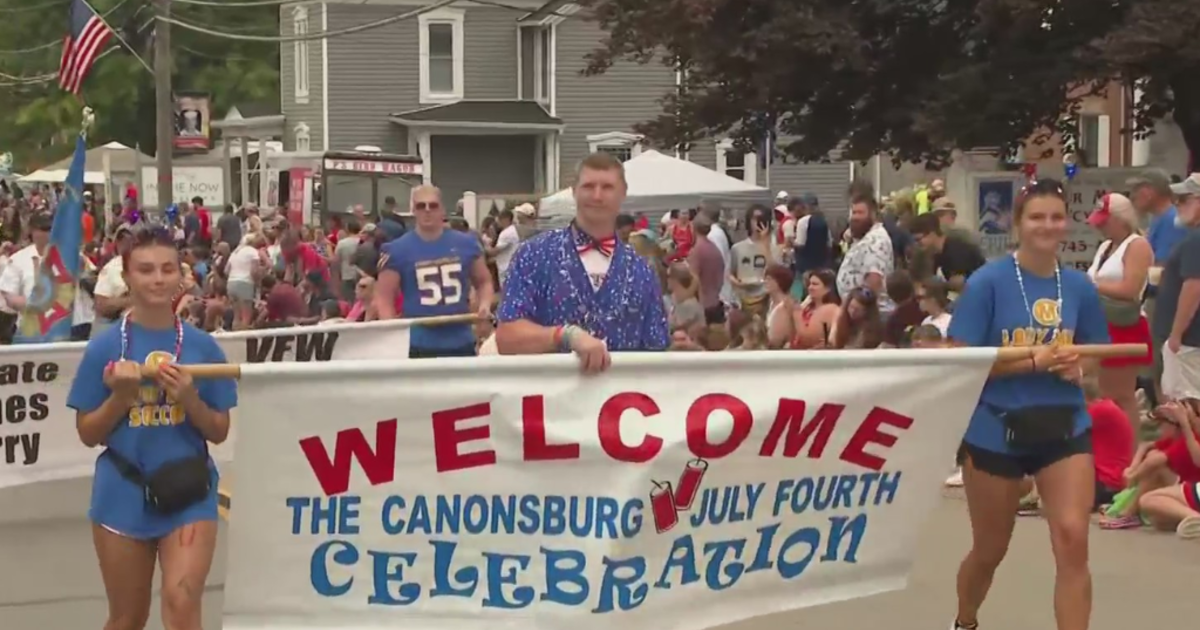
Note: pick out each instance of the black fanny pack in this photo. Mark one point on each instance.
(1037, 425)
(174, 487)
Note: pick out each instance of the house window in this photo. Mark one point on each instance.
(537, 62)
(737, 164)
(303, 140)
(621, 145)
(441, 41)
(544, 48)
(300, 52)
(1092, 144)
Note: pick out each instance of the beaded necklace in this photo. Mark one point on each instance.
(125, 343)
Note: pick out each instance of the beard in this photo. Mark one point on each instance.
(860, 227)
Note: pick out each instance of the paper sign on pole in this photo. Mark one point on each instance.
(38, 441)
(676, 492)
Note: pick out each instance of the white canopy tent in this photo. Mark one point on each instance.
(660, 182)
(121, 159)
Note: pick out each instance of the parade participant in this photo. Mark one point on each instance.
(1031, 419)
(154, 492)
(434, 269)
(579, 288)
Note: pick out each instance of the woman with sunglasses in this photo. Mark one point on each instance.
(1031, 419)
(154, 493)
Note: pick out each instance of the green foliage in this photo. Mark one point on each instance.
(916, 78)
(37, 122)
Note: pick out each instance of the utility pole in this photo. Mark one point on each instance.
(164, 105)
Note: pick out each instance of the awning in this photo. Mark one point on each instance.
(483, 115)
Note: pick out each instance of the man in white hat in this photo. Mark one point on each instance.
(1175, 314)
(509, 237)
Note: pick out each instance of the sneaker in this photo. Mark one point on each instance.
(958, 626)
(1189, 528)
(955, 480)
(1121, 522)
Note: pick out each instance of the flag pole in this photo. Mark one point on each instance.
(117, 35)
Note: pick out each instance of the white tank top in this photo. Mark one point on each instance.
(1113, 269)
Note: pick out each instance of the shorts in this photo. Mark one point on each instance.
(715, 315)
(240, 291)
(1138, 333)
(441, 353)
(1021, 465)
(1191, 494)
(1181, 373)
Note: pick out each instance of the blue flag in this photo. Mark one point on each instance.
(48, 315)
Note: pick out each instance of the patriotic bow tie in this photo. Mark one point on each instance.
(585, 243)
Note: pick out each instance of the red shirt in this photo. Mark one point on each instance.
(1179, 460)
(283, 302)
(684, 239)
(1113, 442)
(310, 260)
(205, 223)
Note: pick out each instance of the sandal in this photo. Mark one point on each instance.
(1031, 507)
(1189, 528)
(1121, 522)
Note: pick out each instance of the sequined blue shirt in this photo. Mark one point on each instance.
(547, 284)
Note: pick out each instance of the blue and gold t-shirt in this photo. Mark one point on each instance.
(155, 432)
(993, 312)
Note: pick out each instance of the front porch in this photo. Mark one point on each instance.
(486, 147)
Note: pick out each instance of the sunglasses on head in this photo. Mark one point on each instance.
(426, 205)
(153, 235)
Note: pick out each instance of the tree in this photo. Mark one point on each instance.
(37, 121)
(913, 78)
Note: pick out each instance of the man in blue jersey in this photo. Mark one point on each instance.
(434, 268)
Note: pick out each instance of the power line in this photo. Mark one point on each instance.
(36, 7)
(236, 3)
(358, 28)
(13, 81)
(57, 42)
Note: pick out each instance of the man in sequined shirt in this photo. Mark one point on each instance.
(580, 289)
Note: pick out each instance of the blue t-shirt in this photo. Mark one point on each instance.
(992, 312)
(153, 433)
(435, 279)
(1164, 235)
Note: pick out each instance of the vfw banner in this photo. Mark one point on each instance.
(38, 441)
(677, 491)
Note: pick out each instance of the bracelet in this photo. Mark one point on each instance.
(557, 337)
(1033, 363)
(568, 334)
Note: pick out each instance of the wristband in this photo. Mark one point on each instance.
(557, 337)
(568, 335)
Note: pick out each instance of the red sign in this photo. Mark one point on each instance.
(298, 178)
(374, 166)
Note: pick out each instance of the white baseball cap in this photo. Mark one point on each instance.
(782, 195)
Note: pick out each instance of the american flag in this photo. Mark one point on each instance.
(88, 35)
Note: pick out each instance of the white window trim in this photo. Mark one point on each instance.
(299, 132)
(751, 163)
(454, 17)
(302, 76)
(617, 140)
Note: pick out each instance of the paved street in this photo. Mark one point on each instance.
(1134, 573)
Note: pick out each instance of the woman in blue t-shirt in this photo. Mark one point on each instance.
(1031, 420)
(154, 494)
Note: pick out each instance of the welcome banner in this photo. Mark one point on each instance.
(677, 491)
(38, 441)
